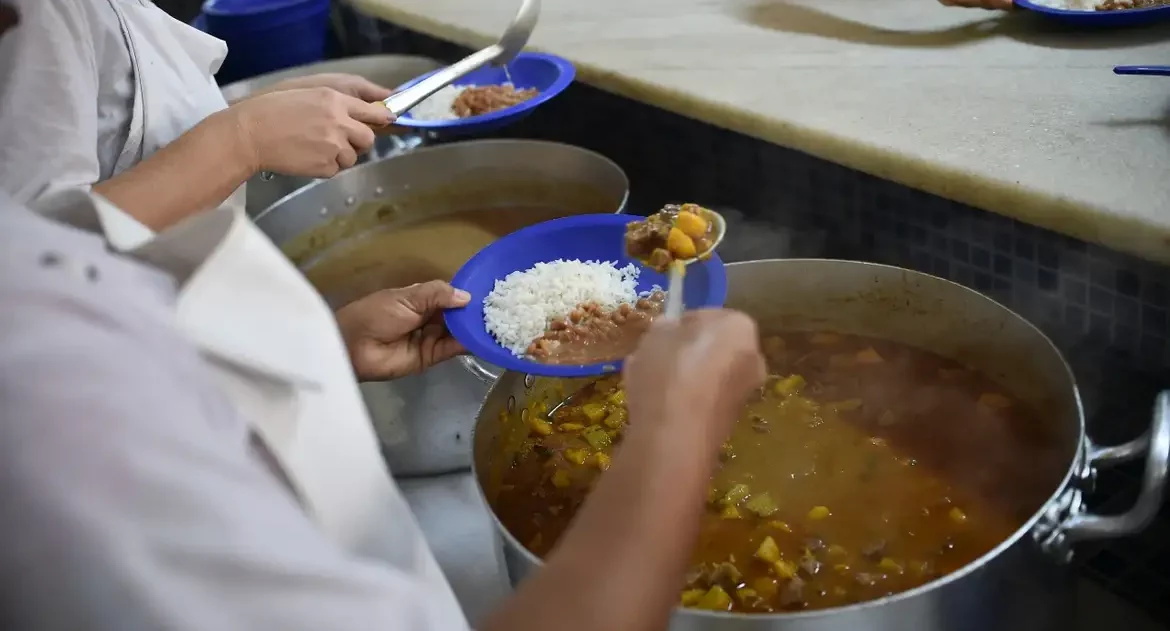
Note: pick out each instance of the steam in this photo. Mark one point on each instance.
(750, 239)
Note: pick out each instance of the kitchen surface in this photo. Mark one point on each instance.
(1008, 113)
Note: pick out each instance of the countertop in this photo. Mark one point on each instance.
(459, 530)
(1007, 112)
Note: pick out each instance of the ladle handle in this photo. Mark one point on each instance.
(674, 292)
(400, 102)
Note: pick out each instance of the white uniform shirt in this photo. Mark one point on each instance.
(137, 493)
(88, 88)
(66, 96)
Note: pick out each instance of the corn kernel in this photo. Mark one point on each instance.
(601, 461)
(819, 512)
(691, 224)
(540, 426)
(768, 551)
(957, 515)
(561, 479)
(576, 456)
(785, 569)
(868, 356)
(889, 565)
(691, 597)
(680, 245)
(789, 385)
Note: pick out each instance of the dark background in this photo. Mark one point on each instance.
(185, 10)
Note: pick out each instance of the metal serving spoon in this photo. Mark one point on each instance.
(511, 43)
(674, 294)
(674, 285)
(500, 53)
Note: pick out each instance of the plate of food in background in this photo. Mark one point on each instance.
(490, 97)
(566, 298)
(1100, 12)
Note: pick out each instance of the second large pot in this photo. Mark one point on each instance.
(1024, 584)
(337, 230)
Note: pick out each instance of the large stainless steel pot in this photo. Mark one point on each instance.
(425, 421)
(1024, 584)
(387, 70)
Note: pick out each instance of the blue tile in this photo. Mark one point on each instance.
(981, 258)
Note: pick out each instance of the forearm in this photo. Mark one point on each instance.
(621, 564)
(198, 171)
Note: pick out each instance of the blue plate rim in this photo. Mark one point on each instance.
(507, 360)
(568, 72)
(1099, 15)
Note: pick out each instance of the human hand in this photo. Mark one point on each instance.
(347, 84)
(698, 370)
(396, 332)
(308, 132)
(1001, 5)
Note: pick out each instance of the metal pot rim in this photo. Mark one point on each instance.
(1084, 455)
(374, 164)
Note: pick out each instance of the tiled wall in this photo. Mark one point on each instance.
(1106, 310)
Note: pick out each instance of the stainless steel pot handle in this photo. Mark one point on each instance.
(1068, 521)
(479, 369)
(1156, 444)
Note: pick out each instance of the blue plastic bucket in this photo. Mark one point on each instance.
(267, 35)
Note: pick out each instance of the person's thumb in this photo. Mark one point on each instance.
(434, 295)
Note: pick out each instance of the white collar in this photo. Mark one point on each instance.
(238, 297)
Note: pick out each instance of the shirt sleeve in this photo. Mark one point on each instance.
(49, 96)
(132, 498)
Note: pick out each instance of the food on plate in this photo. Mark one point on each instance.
(570, 312)
(864, 468)
(463, 101)
(485, 99)
(591, 334)
(673, 233)
(1101, 5)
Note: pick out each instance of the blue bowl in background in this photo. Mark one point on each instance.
(581, 237)
(266, 35)
(549, 74)
(1125, 17)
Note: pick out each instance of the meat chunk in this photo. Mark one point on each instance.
(874, 551)
(792, 594)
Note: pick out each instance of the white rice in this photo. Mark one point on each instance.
(1071, 5)
(520, 306)
(439, 106)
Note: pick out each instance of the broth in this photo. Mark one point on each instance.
(402, 253)
(865, 468)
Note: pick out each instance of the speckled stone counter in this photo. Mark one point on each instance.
(1003, 112)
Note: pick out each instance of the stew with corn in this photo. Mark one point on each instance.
(863, 469)
(671, 234)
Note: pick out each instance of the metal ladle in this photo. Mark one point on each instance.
(674, 284)
(513, 40)
(500, 53)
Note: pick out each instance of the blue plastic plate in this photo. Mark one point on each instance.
(581, 237)
(547, 73)
(1128, 17)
